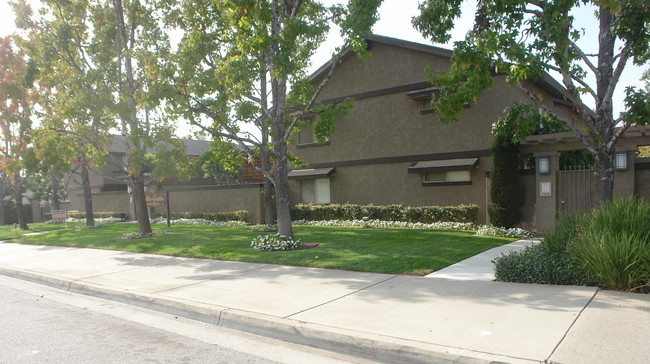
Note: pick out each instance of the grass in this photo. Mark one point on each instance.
(397, 251)
(8, 231)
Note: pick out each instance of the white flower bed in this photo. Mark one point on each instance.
(275, 242)
(198, 222)
(445, 225)
(488, 230)
(98, 220)
(482, 230)
(137, 235)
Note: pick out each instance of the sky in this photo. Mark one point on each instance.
(395, 21)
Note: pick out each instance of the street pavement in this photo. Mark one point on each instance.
(462, 318)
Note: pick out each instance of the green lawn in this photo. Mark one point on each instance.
(8, 231)
(370, 250)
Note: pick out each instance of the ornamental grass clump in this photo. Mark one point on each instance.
(613, 244)
(275, 242)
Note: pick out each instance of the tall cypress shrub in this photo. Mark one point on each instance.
(506, 190)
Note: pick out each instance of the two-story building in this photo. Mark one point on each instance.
(391, 148)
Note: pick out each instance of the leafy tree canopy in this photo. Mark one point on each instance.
(525, 39)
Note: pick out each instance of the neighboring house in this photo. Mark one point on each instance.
(111, 193)
(392, 149)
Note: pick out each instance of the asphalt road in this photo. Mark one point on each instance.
(39, 324)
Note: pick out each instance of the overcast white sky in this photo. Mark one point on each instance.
(395, 21)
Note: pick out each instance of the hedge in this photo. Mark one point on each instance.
(212, 216)
(424, 214)
(97, 214)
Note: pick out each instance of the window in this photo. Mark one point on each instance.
(315, 191)
(426, 105)
(448, 176)
(306, 136)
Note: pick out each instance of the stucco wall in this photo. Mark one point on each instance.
(390, 183)
(102, 201)
(218, 199)
(642, 182)
(387, 67)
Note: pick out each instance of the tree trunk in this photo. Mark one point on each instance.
(140, 202)
(20, 213)
(55, 192)
(604, 172)
(269, 206)
(2, 202)
(281, 167)
(604, 120)
(282, 191)
(88, 198)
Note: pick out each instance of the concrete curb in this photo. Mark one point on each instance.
(347, 342)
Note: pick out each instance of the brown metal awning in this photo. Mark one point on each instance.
(444, 165)
(311, 173)
(424, 93)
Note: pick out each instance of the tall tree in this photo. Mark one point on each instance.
(17, 97)
(105, 58)
(524, 38)
(237, 61)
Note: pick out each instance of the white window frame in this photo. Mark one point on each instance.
(319, 188)
(448, 176)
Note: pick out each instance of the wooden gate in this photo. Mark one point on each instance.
(575, 186)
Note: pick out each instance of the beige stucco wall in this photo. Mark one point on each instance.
(102, 201)
(387, 67)
(218, 199)
(642, 183)
(390, 183)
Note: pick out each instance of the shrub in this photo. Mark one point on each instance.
(536, 264)
(275, 242)
(506, 190)
(98, 215)
(613, 244)
(566, 230)
(487, 230)
(197, 222)
(212, 216)
(460, 213)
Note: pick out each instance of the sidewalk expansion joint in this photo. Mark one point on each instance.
(343, 296)
(571, 326)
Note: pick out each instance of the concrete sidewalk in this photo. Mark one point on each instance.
(480, 266)
(381, 317)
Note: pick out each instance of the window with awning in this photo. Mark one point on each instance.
(445, 171)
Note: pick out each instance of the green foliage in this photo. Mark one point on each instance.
(613, 244)
(608, 246)
(577, 159)
(566, 230)
(10, 213)
(506, 190)
(536, 264)
(521, 121)
(221, 163)
(525, 41)
(460, 213)
(212, 216)
(97, 214)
